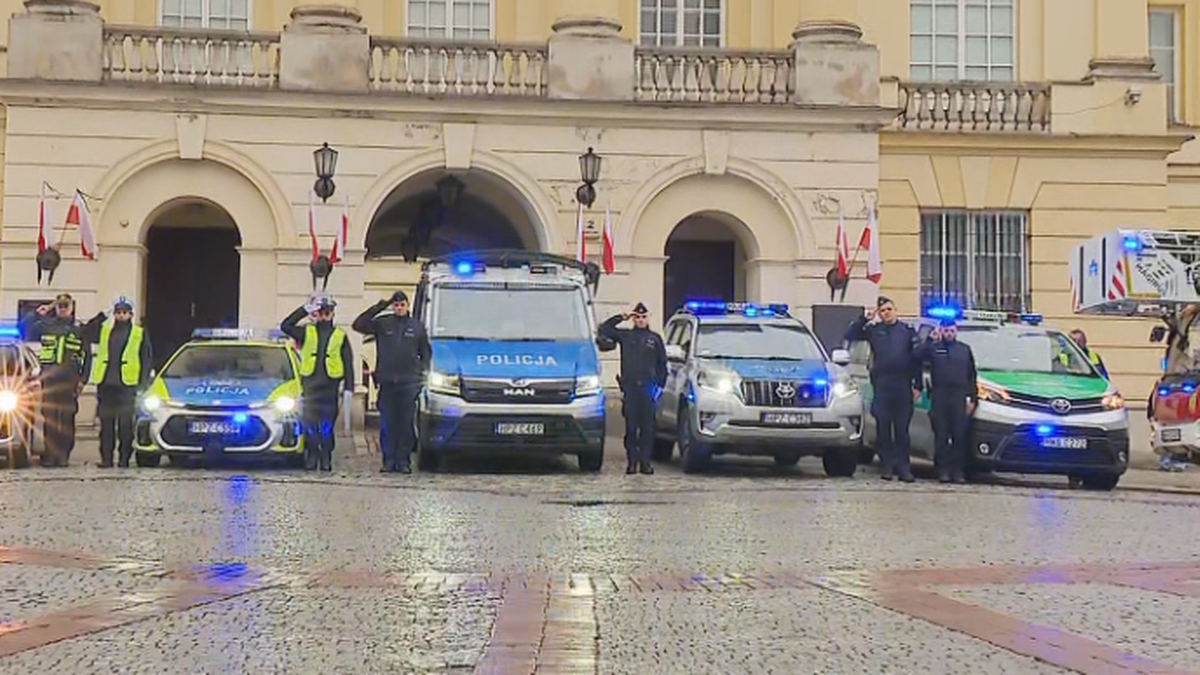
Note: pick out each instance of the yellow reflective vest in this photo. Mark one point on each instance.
(335, 367)
(131, 356)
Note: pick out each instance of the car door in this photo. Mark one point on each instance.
(921, 430)
(668, 406)
(860, 373)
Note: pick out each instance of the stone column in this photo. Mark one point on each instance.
(59, 40)
(589, 60)
(325, 48)
(769, 281)
(122, 272)
(1122, 42)
(258, 297)
(833, 64)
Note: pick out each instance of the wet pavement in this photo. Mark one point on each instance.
(522, 567)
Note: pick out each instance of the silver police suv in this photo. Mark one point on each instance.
(748, 379)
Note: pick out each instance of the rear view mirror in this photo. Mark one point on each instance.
(676, 354)
(1158, 333)
(840, 357)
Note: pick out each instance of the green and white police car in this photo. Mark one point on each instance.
(1043, 407)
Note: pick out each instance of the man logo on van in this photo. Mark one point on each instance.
(513, 391)
(516, 360)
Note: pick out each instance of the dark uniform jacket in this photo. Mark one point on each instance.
(75, 366)
(319, 383)
(643, 355)
(892, 348)
(402, 352)
(951, 367)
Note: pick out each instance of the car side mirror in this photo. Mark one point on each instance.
(840, 357)
(675, 354)
(605, 344)
(1158, 333)
(153, 373)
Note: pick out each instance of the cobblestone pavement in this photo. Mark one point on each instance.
(523, 567)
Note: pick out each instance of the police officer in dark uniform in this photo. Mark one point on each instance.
(643, 374)
(402, 356)
(954, 394)
(326, 365)
(896, 381)
(65, 359)
(120, 368)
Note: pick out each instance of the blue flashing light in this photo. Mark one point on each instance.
(1189, 388)
(1031, 319)
(1132, 243)
(1164, 391)
(464, 268)
(240, 418)
(747, 309)
(1044, 430)
(820, 383)
(944, 312)
(10, 332)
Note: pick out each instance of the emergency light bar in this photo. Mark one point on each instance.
(952, 313)
(749, 309)
(10, 331)
(238, 334)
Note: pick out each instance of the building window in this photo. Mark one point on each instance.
(218, 14)
(681, 23)
(975, 259)
(1164, 49)
(450, 19)
(972, 40)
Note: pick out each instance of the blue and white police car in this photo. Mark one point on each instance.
(749, 379)
(515, 364)
(234, 391)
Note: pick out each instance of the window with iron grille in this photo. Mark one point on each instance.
(681, 23)
(975, 259)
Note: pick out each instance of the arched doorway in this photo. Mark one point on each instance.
(193, 270)
(706, 259)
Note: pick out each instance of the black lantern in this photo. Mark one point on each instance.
(325, 159)
(589, 173)
(449, 189)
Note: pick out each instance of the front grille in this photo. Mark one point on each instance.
(479, 390)
(1023, 447)
(252, 433)
(770, 394)
(481, 430)
(1043, 404)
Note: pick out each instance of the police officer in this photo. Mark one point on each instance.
(954, 394)
(896, 382)
(326, 364)
(643, 374)
(1080, 339)
(120, 368)
(402, 356)
(64, 359)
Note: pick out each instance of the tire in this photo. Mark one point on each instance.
(1106, 483)
(664, 449)
(696, 456)
(840, 462)
(866, 455)
(591, 462)
(18, 456)
(147, 459)
(428, 460)
(787, 459)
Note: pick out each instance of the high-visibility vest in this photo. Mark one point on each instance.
(131, 356)
(57, 348)
(335, 368)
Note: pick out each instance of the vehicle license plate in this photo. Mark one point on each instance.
(1172, 435)
(787, 419)
(212, 427)
(1065, 442)
(520, 429)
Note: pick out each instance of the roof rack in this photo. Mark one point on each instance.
(506, 258)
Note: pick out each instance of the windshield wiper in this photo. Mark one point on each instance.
(460, 338)
(744, 357)
(533, 339)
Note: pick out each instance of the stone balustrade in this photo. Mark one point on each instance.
(974, 106)
(713, 76)
(438, 68)
(194, 57)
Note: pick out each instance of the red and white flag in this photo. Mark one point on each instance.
(580, 238)
(843, 247)
(610, 258)
(42, 245)
(870, 241)
(339, 242)
(78, 216)
(312, 225)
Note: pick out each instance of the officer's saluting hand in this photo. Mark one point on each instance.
(643, 375)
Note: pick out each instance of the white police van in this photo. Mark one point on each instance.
(749, 379)
(515, 366)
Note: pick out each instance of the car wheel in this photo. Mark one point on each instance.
(840, 462)
(664, 449)
(1100, 483)
(695, 455)
(787, 459)
(18, 455)
(591, 462)
(866, 455)
(147, 459)
(428, 459)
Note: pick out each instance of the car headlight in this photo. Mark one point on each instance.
(718, 382)
(151, 403)
(442, 383)
(9, 401)
(587, 385)
(1114, 401)
(993, 394)
(841, 389)
(285, 404)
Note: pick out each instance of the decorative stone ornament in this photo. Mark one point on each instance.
(48, 261)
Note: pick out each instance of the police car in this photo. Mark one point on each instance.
(227, 391)
(1043, 407)
(750, 379)
(19, 398)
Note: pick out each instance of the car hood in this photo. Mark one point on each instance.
(477, 358)
(223, 391)
(769, 369)
(1047, 385)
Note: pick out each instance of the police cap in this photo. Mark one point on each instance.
(122, 304)
(399, 296)
(640, 309)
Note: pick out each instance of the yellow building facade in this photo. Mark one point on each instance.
(992, 136)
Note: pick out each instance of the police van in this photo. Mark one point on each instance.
(749, 379)
(515, 365)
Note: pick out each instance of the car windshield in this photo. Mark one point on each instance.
(246, 362)
(533, 314)
(757, 341)
(1025, 350)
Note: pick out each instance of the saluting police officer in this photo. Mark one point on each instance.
(402, 356)
(896, 382)
(954, 394)
(643, 374)
(120, 368)
(326, 364)
(64, 359)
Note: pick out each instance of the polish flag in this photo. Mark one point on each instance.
(339, 242)
(843, 247)
(78, 216)
(610, 258)
(580, 238)
(870, 241)
(312, 225)
(42, 220)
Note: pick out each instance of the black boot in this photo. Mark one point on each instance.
(647, 469)
(631, 468)
(106, 460)
(326, 459)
